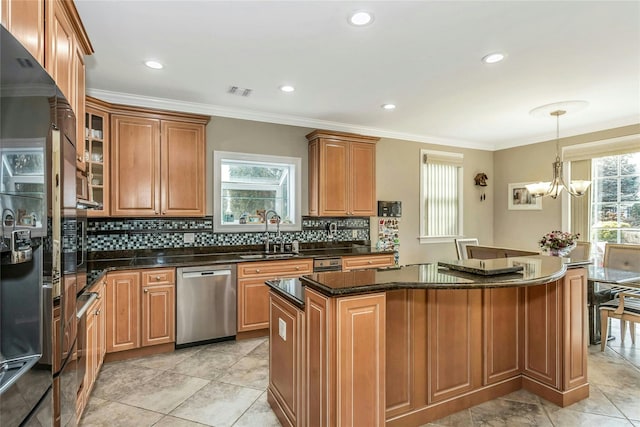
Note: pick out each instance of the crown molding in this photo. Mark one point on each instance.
(282, 119)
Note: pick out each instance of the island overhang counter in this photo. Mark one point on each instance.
(406, 346)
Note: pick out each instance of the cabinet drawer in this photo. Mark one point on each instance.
(162, 276)
(288, 268)
(369, 261)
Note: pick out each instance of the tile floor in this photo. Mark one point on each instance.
(224, 385)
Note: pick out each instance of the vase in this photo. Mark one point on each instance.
(563, 252)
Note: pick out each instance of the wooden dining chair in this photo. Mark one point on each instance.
(625, 307)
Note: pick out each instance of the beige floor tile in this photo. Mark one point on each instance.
(210, 364)
(166, 361)
(522, 395)
(248, 372)
(258, 414)
(261, 350)
(104, 413)
(568, 418)
(118, 380)
(596, 403)
(626, 399)
(169, 421)
(217, 404)
(164, 392)
(502, 412)
(241, 347)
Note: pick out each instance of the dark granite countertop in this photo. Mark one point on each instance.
(291, 289)
(128, 260)
(537, 270)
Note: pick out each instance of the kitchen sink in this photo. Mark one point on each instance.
(268, 256)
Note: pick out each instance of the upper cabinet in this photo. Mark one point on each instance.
(25, 20)
(96, 154)
(66, 46)
(342, 178)
(157, 163)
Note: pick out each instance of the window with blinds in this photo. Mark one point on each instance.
(441, 191)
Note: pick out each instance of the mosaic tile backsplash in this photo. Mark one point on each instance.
(108, 234)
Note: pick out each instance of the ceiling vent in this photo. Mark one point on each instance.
(240, 91)
(25, 62)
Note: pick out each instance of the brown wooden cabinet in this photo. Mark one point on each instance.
(158, 307)
(123, 311)
(25, 20)
(253, 294)
(342, 179)
(157, 164)
(367, 261)
(140, 309)
(286, 359)
(96, 155)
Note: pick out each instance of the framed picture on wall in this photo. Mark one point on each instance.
(519, 198)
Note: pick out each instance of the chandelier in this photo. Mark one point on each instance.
(576, 188)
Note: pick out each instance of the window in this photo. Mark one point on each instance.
(441, 194)
(247, 185)
(615, 195)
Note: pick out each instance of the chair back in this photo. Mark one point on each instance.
(581, 251)
(461, 247)
(622, 256)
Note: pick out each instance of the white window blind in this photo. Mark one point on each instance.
(441, 175)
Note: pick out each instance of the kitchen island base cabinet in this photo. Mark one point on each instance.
(411, 356)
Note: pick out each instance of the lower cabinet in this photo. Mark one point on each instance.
(140, 309)
(253, 294)
(367, 261)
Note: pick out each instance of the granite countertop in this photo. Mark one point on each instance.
(291, 289)
(537, 270)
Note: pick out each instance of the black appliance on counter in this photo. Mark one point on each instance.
(38, 194)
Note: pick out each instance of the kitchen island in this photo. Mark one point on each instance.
(406, 346)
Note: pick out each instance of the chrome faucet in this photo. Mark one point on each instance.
(266, 228)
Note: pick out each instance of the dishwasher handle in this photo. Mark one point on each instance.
(205, 273)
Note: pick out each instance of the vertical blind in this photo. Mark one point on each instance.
(441, 193)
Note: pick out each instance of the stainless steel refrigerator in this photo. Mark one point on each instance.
(38, 245)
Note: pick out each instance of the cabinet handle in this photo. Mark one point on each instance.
(257, 270)
(370, 262)
(97, 312)
(298, 268)
(146, 291)
(157, 277)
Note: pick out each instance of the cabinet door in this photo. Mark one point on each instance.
(102, 329)
(334, 182)
(314, 170)
(135, 166)
(25, 20)
(79, 104)
(158, 314)
(97, 148)
(59, 55)
(455, 342)
(123, 311)
(503, 311)
(183, 163)
(253, 304)
(362, 175)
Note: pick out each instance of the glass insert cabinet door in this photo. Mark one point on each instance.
(96, 156)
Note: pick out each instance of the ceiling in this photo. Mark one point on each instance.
(423, 56)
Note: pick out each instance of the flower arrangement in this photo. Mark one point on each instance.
(558, 242)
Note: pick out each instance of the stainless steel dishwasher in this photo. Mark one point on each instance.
(205, 304)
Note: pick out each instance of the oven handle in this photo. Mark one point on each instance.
(82, 243)
(92, 297)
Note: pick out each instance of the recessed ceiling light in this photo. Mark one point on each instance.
(287, 88)
(154, 64)
(388, 106)
(492, 58)
(361, 18)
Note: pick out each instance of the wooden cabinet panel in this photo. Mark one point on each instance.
(59, 52)
(25, 20)
(574, 328)
(123, 311)
(79, 104)
(455, 331)
(362, 164)
(334, 181)
(399, 348)
(161, 276)
(286, 357)
(503, 333)
(367, 261)
(292, 268)
(360, 349)
(98, 149)
(542, 332)
(135, 164)
(158, 314)
(183, 167)
(341, 174)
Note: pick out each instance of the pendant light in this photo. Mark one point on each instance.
(575, 188)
